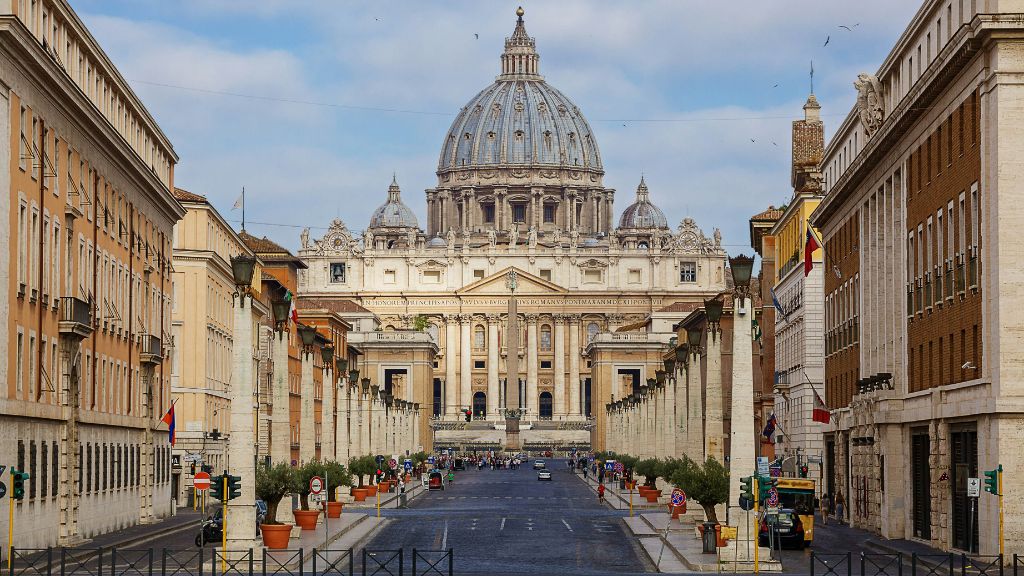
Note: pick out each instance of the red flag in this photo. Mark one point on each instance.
(810, 246)
(820, 413)
(169, 420)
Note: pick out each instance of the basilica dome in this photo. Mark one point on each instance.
(642, 214)
(520, 120)
(393, 213)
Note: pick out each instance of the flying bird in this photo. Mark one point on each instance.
(477, 36)
(827, 38)
(849, 28)
(773, 143)
(776, 86)
(752, 140)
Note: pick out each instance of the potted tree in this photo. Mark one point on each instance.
(336, 476)
(628, 464)
(650, 469)
(272, 485)
(706, 484)
(669, 467)
(358, 466)
(305, 517)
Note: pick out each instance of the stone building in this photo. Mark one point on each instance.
(202, 325)
(520, 187)
(922, 298)
(86, 196)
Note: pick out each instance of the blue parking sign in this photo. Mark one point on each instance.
(430, 459)
(609, 466)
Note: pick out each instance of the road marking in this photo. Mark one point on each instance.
(444, 540)
(563, 522)
(502, 525)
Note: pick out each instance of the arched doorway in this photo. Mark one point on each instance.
(545, 404)
(479, 405)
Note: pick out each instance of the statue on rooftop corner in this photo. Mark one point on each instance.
(869, 102)
(304, 238)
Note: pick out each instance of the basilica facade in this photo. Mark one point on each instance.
(520, 187)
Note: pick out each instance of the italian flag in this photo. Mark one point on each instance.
(820, 413)
(293, 312)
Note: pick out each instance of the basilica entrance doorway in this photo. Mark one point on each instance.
(545, 405)
(479, 405)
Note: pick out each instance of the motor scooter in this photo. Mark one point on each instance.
(211, 530)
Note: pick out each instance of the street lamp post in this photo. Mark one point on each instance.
(240, 513)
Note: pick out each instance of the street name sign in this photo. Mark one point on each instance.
(973, 487)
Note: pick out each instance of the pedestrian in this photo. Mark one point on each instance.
(584, 473)
(824, 509)
(600, 493)
(451, 477)
(840, 507)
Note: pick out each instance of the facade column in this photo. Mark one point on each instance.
(341, 414)
(669, 419)
(364, 422)
(694, 409)
(742, 434)
(327, 409)
(558, 409)
(466, 361)
(450, 384)
(280, 423)
(532, 365)
(241, 512)
(307, 427)
(659, 417)
(714, 432)
(574, 366)
(493, 413)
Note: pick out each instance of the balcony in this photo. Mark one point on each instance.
(75, 317)
(150, 350)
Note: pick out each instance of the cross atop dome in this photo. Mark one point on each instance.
(520, 59)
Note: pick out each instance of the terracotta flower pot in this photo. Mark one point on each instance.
(306, 519)
(676, 511)
(631, 485)
(359, 494)
(408, 478)
(718, 536)
(383, 486)
(334, 509)
(652, 495)
(275, 536)
(371, 490)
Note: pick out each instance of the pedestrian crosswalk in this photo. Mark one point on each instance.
(560, 498)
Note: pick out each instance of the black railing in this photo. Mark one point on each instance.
(870, 564)
(432, 562)
(74, 310)
(383, 562)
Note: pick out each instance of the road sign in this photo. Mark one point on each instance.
(678, 497)
(619, 467)
(193, 458)
(201, 481)
(729, 532)
(316, 485)
(3, 488)
(773, 498)
(317, 498)
(392, 463)
(2, 468)
(814, 459)
(973, 487)
(407, 465)
(762, 465)
(609, 466)
(430, 459)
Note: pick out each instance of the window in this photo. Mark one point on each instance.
(479, 339)
(20, 366)
(545, 274)
(591, 276)
(687, 271)
(479, 364)
(592, 330)
(23, 151)
(389, 276)
(429, 276)
(545, 364)
(478, 274)
(488, 213)
(338, 272)
(634, 276)
(518, 213)
(549, 213)
(545, 338)
(44, 461)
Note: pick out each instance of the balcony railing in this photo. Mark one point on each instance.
(75, 317)
(411, 336)
(150, 350)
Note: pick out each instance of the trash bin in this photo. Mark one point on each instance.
(709, 538)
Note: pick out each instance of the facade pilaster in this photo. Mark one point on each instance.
(532, 364)
(694, 410)
(742, 435)
(558, 409)
(493, 413)
(574, 366)
(450, 355)
(341, 414)
(327, 407)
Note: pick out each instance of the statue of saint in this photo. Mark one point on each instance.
(451, 238)
(492, 237)
(412, 238)
(304, 238)
(513, 236)
(574, 237)
(368, 240)
(718, 239)
(531, 237)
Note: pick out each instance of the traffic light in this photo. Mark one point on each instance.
(217, 487)
(234, 486)
(803, 470)
(992, 480)
(18, 480)
(764, 484)
(469, 415)
(747, 487)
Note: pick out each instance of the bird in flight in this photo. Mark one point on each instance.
(849, 28)
(827, 38)
(477, 36)
(776, 86)
(752, 140)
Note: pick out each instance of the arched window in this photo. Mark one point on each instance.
(592, 330)
(479, 340)
(479, 405)
(545, 338)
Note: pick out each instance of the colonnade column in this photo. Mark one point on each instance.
(466, 362)
(281, 425)
(450, 385)
(574, 366)
(532, 364)
(694, 409)
(713, 447)
(493, 413)
(558, 409)
(364, 421)
(327, 405)
(341, 414)
(307, 427)
(241, 446)
(669, 418)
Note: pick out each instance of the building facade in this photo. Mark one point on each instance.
(921, 289)
(85, 181)
(519, 188)
(202, 325)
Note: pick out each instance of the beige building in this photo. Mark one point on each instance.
(922, 282)
(519, 188)
(202, 325)
(85, 181)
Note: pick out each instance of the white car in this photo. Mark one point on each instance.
(539, 465)
(544, 475)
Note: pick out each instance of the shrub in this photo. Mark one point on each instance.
(273, 484)
(707, 484)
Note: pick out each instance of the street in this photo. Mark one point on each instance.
(508, 522)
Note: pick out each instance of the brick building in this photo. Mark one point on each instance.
(921, 284)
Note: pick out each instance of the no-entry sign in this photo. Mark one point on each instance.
(201, 481)
(316, 485)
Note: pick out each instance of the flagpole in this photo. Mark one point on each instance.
(243, 208)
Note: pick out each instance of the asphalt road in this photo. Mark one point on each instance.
(509, 522)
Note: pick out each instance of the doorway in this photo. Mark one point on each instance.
(545, 405)
(479, 405)
(921, 489)
(437, 397)
(586, 397)
(964, 465)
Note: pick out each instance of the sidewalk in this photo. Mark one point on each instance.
(135, 536)
(619, 499)
(389, 499)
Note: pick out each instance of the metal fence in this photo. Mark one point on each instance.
(868, 564)
(220, 562)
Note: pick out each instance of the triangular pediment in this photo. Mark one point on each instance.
(527, 284)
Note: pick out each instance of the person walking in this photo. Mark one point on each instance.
(600, 493)
(824, 508)
(451, 477)
(840, 507)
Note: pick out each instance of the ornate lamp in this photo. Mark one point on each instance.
(280, 308)
(342, 365)
(242, 268)
(693, 338)
(327, 352)
(389, 398)
(682, 352)
(670, 365)
(741, 266)
(307, 334)
(353, 376)
(416, 406)
(659, 375)
(366, 385)
(713, 309)
(652, 381)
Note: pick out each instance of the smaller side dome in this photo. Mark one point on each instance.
(437, 242)
(642, 214)
(393, 213)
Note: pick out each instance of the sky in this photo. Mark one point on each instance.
(312, 106)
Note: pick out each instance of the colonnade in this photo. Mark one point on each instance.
(459, 367)
(463, 209)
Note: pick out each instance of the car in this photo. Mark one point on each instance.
(539, 465)
(787, 528)
(436, 480)
(544, 474)
(459, 464)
